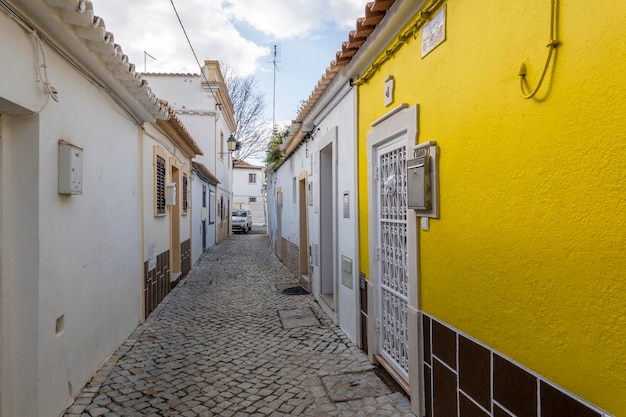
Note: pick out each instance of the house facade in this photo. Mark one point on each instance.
(249, 190)
(71, 111)
(202, 103)
(167, 152)
(495, 256)
(490, 283)
(203, 231)
(312, 195)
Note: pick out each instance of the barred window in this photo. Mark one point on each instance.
(252, 178)
(185, 194)
(160, 185)
(251, 199)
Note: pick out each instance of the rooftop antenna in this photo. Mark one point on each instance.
(275, 59)
(145, 54)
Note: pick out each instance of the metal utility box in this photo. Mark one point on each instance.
(423, 180)
(418, 180)
(70, 169)
(170, 194)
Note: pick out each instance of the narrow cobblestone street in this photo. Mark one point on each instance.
(227, 342)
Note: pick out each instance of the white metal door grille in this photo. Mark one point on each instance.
(393, 267)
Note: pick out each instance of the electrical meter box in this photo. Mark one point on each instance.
(170, 194)
(423, 180)
(70, 169)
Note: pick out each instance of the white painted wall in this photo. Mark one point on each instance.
(196, 108)
(76, 257)
(342, 117)
(273, 228)
(243, 189)
(156, 229)
(196, 221)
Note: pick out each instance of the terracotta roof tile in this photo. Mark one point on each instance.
(375, 11)
(363, 30)
(92, 30)
(205, 173)
(239, 163)
(180, 129)
(354, 41)
(373, 17)
(381, 5)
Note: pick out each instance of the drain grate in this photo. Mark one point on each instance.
(298, 290)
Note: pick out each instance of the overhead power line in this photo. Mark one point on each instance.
(194, 52)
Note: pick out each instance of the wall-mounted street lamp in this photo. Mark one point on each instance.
(232, 145)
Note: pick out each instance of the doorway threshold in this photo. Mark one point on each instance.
(329, 300)
(305, 282)
(393, 373)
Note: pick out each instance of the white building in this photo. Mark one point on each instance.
(71, 111)
(249, 190)
(204, 189)
(167, 152)
(202, 103)
(312, 200)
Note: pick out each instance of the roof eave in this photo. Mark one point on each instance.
(81, 37)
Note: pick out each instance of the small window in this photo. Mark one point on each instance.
(222, 146)
(211, 206)
(160, 185)
(185, 194)
(252, 200)
(252, 178)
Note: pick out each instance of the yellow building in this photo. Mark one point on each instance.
(505, 295)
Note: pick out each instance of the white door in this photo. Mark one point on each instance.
(391, 253)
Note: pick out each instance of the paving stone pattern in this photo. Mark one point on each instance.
(226, 342)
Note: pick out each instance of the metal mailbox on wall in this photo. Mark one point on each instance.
(423, 180)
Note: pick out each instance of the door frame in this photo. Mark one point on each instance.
(303, 230)
(328, 211)
(204, 215)
(402, 120)
(174, 212)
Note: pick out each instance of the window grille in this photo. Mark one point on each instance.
(160, 185)
(252, 178)
(185, 195)
(252, 200)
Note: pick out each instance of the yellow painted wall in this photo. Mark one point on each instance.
(529, 255)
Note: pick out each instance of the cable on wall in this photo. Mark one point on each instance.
(43, 65)
(41, 39)
(411, 31)
(523, 83)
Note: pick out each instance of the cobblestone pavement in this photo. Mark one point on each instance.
(227, 342)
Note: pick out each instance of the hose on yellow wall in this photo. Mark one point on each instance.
(551, 47)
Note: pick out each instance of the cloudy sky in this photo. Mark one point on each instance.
(239, 33)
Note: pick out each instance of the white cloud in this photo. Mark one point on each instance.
(146, 25)
(238, 33)
(152, 26)
(285, 19)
